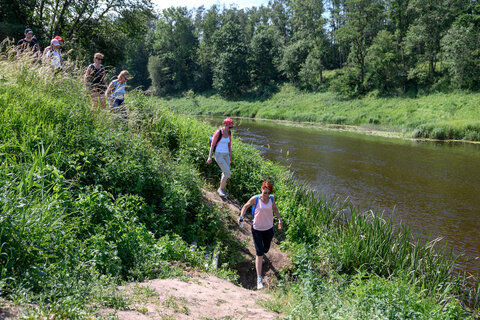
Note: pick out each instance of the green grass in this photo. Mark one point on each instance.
(87, 202)
(438, 116)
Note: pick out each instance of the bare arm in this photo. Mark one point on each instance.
(216, 136)
(247, 205)
(109, 89)
(275, 210)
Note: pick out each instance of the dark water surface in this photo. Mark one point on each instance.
(433, 187)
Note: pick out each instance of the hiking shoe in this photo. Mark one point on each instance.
(221, 193)
(259, 283)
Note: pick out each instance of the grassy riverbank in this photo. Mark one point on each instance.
(437, 116)
(89, 202)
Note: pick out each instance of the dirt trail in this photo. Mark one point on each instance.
(206, 296)
(273, 261)
(200, 295)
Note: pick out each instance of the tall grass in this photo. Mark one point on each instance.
(437, 116)
(88, 201)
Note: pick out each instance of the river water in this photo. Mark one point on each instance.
(433, 187)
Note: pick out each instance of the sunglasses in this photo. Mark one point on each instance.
(99, 59)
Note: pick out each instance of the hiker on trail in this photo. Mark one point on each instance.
(222, 151)
(53, 54)
(28, 44)
(262, 225)
(116, 90)
(95, 83)
(114, 94)
(49, 48)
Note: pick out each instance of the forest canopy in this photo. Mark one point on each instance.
(352, 47)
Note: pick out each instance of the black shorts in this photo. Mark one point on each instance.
(262, 240)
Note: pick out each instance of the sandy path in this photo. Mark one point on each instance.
(196, 298)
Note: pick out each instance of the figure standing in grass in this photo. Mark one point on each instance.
(28, 44)
(262, 225)
(222, 150)
(95, 82)
(52, 54)
(115, 94)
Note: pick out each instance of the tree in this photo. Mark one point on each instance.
(280, 17)
(206, 26)
(461, 46)
(363, 20)
(432, 19)
(400, 19)
(174, 45)
(265, 56)
(293, 58)
(384, 64)
(230, 74)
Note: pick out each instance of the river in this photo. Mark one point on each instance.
(433, 187)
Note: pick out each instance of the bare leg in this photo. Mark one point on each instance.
(258, 265)
(223, 183)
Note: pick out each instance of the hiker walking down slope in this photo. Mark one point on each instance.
(52, 54)
(262, 225)
(95, 82)
(222, 151)
(116, 90)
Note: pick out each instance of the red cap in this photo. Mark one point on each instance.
(228, 122)
(59, 38)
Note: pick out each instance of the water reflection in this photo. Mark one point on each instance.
(433, 187)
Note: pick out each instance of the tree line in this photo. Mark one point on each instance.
(352, 47)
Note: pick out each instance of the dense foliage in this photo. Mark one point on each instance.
(389, 47)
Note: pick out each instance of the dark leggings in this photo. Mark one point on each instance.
(262, 240)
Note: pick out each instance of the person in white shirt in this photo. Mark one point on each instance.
(53, 54)
(222, 151)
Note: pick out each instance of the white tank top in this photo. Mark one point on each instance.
(222, 145)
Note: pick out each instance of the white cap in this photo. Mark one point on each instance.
(55, 42)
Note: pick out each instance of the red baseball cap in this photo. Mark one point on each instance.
(228, 122)
(59, 38)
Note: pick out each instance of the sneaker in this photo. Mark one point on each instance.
(221, 193)
(259, 283)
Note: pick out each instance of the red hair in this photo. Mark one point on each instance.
(267, 185)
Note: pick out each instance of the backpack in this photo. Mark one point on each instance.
(256, 201)
(218, 140)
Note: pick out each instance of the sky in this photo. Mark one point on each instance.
(162, 4)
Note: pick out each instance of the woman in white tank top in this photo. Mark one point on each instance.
(222, 150)
(262, 225)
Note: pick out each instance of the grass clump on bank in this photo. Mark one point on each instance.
(436, 116)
